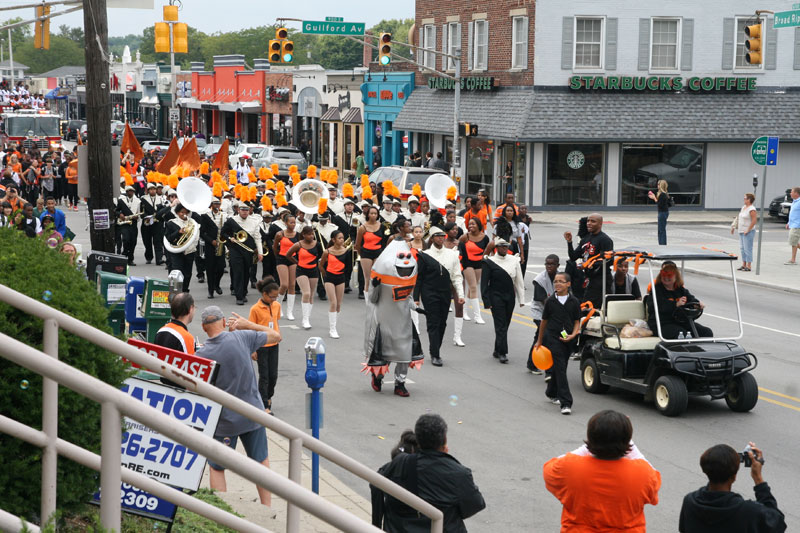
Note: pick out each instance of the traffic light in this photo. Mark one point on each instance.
(41, 37)
(753, 44)
(274, 51)
(180, 38)
(171, 13)
(162, 37)
(281, 33)
(467, 130)
(287, 51)
(385, 49)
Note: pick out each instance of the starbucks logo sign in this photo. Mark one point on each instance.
(575, 159)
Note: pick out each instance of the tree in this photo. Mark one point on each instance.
(337, 53)
(74, 34)
(18, 34)
(399, 30)
(62, 51)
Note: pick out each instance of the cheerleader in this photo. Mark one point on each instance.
(306, 253)
(284, 240)
(370, 241)
(334, 263)
(474, 245)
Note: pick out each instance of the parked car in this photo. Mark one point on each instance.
(151, 145)
(211, 149)
(144, 133)
(682, 172)
(73, 129)
(283, 156)
(201, 143)
(403, 177)
(252, 150)
(780, 205)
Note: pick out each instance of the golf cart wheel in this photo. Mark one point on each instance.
(742, 393)
(670, 395)
(590, 377)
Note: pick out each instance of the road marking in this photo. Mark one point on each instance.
(776, 393)
(776, 402)
(754, 325)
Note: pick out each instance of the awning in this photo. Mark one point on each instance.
(149, 101)
(229, 106)
(53, 95)
(251, 107)
(331, 115)
(187, 102)
(353, 116)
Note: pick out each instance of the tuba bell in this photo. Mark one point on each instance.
(307, 194)
(436, 189)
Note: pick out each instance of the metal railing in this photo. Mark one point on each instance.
(115, 403)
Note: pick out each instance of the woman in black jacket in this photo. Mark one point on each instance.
(671, 296)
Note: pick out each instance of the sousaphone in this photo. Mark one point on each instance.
(307, 194)
(436, 187)
(194, 195)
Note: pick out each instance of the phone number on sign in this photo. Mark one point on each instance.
(137, 498)
(157, 450)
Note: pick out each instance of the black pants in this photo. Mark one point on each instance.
(215, 266)
(502, 310)
(128, 237)
(267, 373)
(558, 386)
(153, 239)
(360, 279)
(672, 330)
(200, 261)
(529, 362)
(253, 273)
(241, 262)
(183, 262)
(72, 193)
(524, 263)
(268, 267)
(436, 306)
(58, 188)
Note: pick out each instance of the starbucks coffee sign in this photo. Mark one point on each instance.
(472, 83)
(662, 83)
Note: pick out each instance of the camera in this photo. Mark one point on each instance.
(744, 457)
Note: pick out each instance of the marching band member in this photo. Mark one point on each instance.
(284, 240)
(370, 241)
(306, 254)
(335, 203)
(152, 228)
(173, 230)
(268, 263)
(128, 208)
(210, 228)
(324, 229)
(243, 239)
(334, 261)
(474, 245)
(418, 218)
(227, 204)
(348, 223)
(387, 214)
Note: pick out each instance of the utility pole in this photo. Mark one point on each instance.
(98, 117)
(10, 58)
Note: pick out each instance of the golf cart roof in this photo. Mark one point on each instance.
(675, 253)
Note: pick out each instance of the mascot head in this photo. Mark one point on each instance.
(396, 264)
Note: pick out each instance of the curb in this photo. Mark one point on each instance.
(745, 281)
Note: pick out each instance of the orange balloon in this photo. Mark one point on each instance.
(542, 358)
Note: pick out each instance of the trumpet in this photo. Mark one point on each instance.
(388, 226)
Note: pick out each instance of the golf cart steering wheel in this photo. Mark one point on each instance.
(692, 310)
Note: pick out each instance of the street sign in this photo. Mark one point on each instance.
(759, 150)
(787, 19)
(174, 114)
(333, 28)
(772, 151)
(334, 19)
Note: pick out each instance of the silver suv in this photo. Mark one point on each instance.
(283, 156)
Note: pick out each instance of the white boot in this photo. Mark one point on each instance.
(289, 307)
(466, 309)
(476, 305)
(306, 315)
(332, 322)
(459, 324)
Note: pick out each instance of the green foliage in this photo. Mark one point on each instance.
(117, 44)
(30, 267)
(62, 51)
(336, 52)
(188, 522)
(73, 34)
(399, 30)
(17, 34)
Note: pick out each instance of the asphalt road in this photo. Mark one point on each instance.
(499, 422)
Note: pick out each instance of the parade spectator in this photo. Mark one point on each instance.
(175, 333)
(793, 225)
(27, 222)
(376, 157)
(39, 209)
(745, 222)
(671, 295)
(716, 509)
(585, 257)
(664, 201)
(361, 165)
(430, 472)
(267, 312)
(59, 219)
(236, 376)
(624, 282)
(605, 484)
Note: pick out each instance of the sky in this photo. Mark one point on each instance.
(211, 16)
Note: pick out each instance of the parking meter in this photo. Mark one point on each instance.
(315, 379)
(175, 279)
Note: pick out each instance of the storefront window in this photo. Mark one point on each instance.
(643, 165)
(424, 143)
(448, 149)
(480, 166)
(326, 144)
(512, 171)
(348, 146)
(575, 174)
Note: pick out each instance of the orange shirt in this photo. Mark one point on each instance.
(602, 496)
(266, 315)
(72, 172)
(335, 265)
(481, 215)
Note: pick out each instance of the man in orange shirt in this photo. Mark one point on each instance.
(72, 180)
(604, 484)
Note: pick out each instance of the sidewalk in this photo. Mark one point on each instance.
(242, 495)
(629, 217)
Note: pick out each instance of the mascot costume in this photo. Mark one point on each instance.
(390, 336)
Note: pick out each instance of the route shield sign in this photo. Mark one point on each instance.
(333, 28)
(759, 151)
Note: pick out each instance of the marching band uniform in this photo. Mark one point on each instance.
(244, 254)
(268, 262)
(227, 205)
(184, 260)
(128, 206)
(210, 226)
(152, 227)
(501, 281)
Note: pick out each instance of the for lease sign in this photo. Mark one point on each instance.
(200, 367)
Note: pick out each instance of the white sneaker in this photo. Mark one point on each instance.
(554, 401)
(566, 411)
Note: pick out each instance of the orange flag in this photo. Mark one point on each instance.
(170, 158)
(189, 158)
(221, 158)
(80, 141)
(129, 143)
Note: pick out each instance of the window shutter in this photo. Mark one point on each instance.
(470, 30)
(432, 62)
(421, 44)
(771, 58)
(644, 44)
(687, 43)
(728, 42)
(797, 48)
(457, 43)
(523, 58)
(611, 43)
(567, 43)
(486, 48)
(444, 46)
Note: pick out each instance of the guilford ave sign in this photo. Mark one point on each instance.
(333, 28)
(662, 83)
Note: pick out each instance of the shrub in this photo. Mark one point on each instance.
(31, 267)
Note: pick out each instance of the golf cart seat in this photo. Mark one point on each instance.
(594, 326)
(618, 313)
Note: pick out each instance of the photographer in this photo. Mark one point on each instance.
(714, 508)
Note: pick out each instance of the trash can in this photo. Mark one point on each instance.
(118, 264)
(155, 306)
(134, 294)
(112, 288)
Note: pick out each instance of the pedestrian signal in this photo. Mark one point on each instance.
(753, 44)
(385, 49)
(162, 37)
